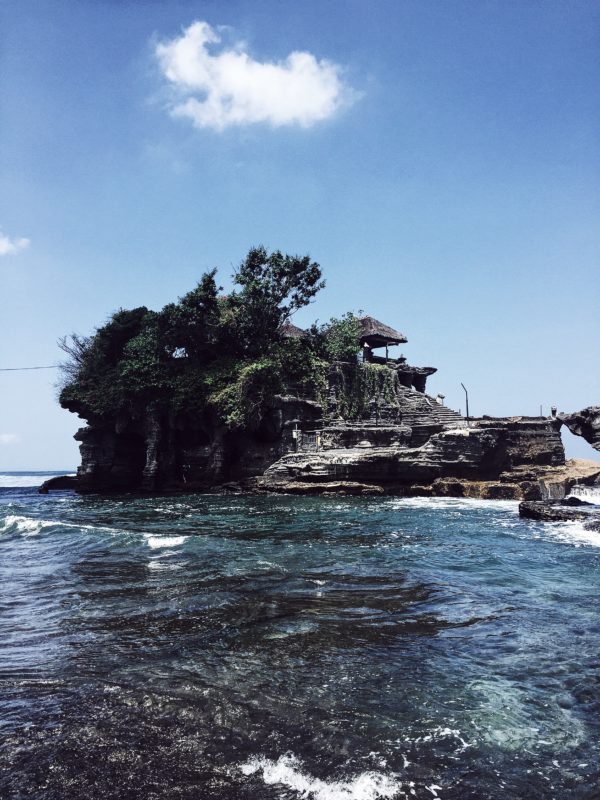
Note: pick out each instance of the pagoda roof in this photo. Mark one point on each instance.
(293, 331)
(376, 334)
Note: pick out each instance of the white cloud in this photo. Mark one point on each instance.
(9, 438)
(10, 247)
(220, 89)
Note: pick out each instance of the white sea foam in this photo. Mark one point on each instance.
(287, 771)
(455, 503)
(590, 493)
(444, 732)
(572, 533)
(156, 542)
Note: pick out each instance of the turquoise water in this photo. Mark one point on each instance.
(277, 647)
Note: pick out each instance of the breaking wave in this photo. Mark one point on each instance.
(15, 523)
(26, 525)
(574, 533)
(288, 771)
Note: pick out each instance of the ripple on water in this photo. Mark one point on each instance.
(277, 648)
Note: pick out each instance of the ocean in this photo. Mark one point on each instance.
(247, 647)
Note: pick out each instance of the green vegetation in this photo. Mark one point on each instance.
(360, 388)
(340, 338)
(209, 353)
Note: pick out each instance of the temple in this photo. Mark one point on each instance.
(375, 335)
(368, 427)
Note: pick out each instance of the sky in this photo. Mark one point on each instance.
(440, 160)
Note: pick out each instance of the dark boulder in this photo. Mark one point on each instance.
(561, 511)
(59, 482)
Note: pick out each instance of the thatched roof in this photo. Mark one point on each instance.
(376, 334)
(293, 331)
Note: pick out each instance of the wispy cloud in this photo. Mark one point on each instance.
(10, 247)
(9, 438)
(229, 87)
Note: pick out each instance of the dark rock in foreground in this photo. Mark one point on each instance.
(569, 510)
(59, 482)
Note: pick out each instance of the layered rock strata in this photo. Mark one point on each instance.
(508, 458)
(395, 440)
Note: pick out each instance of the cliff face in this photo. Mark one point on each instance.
(163, 451)
(385, 437)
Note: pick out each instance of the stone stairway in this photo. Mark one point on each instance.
(420, 409)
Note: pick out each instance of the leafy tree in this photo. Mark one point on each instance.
(190, 326)
(341, 338)
(274, 286)
(222, 355)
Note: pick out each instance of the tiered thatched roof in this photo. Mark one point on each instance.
(293, 331)
(376, 334)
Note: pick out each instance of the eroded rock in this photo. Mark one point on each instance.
(584, 423)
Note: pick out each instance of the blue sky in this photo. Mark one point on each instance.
(439, 159)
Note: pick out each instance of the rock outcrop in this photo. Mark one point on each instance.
(385, 438)
(513, 458)
(569, 510)
(58, 483)
(167, 452)
(584, 423)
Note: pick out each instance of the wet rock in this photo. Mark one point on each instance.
(557, 511)
(58, 482)
(331, 487)
(575, 501)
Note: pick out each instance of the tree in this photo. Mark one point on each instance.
(191, 325)
(274, 286)
(226, 353)
(341, 338)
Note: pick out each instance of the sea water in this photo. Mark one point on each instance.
(257, 647)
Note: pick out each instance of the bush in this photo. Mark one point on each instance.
(225, 355)
(342, 338)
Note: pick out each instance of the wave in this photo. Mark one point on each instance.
(26, 525)
(31, 525)
(287, 771)
(572, 533)
(20, 480)
(155, 542)
(435, 503)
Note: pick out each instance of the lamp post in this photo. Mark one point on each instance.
(467, 400)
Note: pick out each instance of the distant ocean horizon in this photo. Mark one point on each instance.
(24, 478)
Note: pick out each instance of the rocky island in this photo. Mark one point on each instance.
(224, 391)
